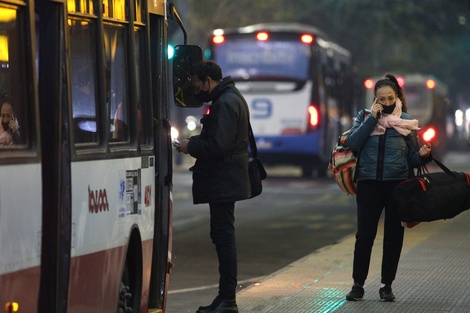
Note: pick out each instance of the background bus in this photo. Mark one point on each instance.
(427, 101)
(85, 192)
(299, 85)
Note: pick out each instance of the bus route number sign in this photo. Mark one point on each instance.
(261, 108)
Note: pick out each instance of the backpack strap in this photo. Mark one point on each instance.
(367, 112)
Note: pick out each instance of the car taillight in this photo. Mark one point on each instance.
(313, 118)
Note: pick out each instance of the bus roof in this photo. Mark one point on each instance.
(417, 78)
(276, 27)
(287, 28)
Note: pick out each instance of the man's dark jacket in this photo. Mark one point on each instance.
(220, 173)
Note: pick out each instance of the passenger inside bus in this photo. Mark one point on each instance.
(9, 132)
(84, 108)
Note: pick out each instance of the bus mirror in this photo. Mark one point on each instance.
(185, 56)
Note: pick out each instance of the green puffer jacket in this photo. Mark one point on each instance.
(220, 173)
(384, 157)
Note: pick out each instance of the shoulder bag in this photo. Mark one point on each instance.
(256, 170)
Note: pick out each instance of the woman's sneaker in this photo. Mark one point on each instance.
(386, 294)
(356, 293)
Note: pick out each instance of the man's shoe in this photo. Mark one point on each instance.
(386, 294)
(356, 293)
(219, 306)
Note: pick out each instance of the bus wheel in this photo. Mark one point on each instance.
(307, 170)
(125, 299)
(322, 171)
(130, 290)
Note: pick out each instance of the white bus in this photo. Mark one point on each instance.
(85, 169)
(299, 86)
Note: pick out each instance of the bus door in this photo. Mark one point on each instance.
(20, 162)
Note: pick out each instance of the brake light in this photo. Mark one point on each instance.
(429, 134)
(430, 84)
(217, 39)
(262, 36)
(369, 83)
(401, 81)
(306, 38)
(313, 118)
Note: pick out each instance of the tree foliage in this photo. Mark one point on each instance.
(426, 36)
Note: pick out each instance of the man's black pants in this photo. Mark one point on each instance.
(222, 233)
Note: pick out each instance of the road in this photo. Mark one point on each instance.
(291, 218)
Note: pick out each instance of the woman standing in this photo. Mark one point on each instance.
(388, 146)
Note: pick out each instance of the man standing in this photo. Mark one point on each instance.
(220, 174)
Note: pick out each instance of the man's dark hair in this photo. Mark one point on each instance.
(204, 69)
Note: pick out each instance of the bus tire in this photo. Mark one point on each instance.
(130, 289)
(307, 170)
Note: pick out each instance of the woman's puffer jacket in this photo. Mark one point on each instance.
(383, 157)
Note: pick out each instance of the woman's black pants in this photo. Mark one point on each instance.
(222, 233)
(372, 197)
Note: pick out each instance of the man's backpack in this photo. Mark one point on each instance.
(343, 163)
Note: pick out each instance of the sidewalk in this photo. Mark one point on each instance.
(433, 276)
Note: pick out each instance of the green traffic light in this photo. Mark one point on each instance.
(171, 52)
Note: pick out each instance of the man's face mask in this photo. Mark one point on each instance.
(389, 109)
(203, 95)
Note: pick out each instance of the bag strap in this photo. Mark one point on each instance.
(251, 137)
(444, 168)
(424, 170)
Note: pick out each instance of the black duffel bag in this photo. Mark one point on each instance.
(433, 196)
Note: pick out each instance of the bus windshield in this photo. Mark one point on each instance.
(245, 59)
(416, 97)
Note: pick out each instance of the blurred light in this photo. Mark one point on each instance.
(401, 81)
(430, 84)
(369, 83)
(171, 52)
(307, 38)
(218, 31)
(12, 306)
(174, 133)
(429, 134)
(313, 114)
(467, 114)
(218, 39)
(262, 36)
(191, 122)
(458, 118)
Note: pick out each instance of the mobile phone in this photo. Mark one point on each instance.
(176, 143)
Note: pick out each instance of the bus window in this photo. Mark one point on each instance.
(115, 44)
(83, 74)
(144, 114)
(81, 6)
(13, 95)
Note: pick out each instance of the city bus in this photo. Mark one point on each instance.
(427, 101)
(85, 167)
(300, 87)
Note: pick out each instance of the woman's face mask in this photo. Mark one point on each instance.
(389, 109)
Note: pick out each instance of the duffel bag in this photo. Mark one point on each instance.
(433, 196)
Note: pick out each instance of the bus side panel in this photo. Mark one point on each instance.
(110, 198)
(279, 122)
(276, 113)
(20, 235)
